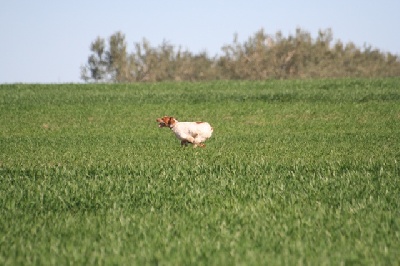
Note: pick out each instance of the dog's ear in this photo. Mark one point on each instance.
(167, 120)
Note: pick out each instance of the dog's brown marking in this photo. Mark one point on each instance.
(199, 122)
(166, 121)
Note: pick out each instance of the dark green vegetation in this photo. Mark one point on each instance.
(296, 172)
(263, 56)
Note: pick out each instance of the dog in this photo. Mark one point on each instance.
(187, 132)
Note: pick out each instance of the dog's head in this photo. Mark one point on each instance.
(166, 121)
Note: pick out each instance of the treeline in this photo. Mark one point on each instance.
(262, 56)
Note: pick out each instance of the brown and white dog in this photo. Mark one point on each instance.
(187, 132)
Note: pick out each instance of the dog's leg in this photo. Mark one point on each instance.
(199, 144)
(184, 142)
(190, 139)
(196, 142)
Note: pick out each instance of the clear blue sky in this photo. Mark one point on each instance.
(47, 41)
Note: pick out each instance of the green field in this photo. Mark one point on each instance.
(297, 172)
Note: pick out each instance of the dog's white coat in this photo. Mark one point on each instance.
(193, 132)
(187, 132)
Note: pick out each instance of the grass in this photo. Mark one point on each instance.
(297, 172)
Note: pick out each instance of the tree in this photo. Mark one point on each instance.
(117, 59)
(96, 68)
(261, 56)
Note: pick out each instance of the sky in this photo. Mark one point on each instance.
(47, 41)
